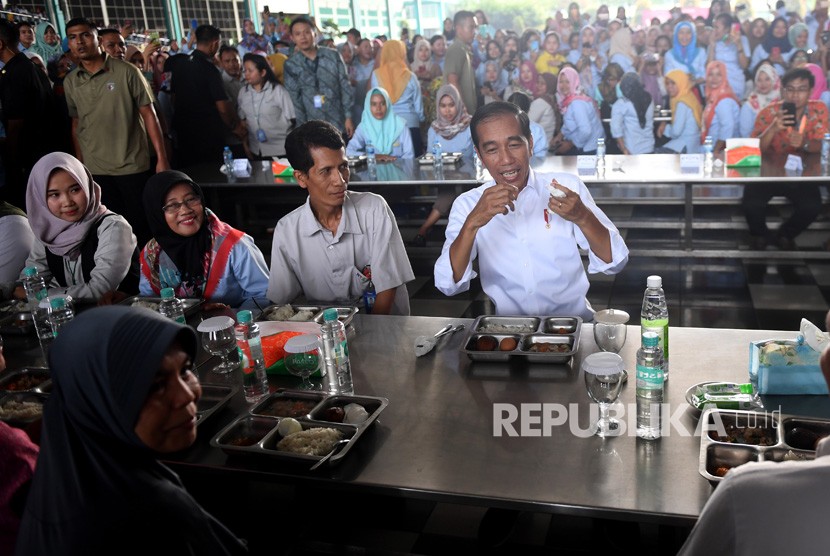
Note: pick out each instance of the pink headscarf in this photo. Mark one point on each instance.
(821, 81)
(59, 236)
(532, 85)
(575, 90)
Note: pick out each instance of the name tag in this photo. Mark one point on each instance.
(691, 161)
(794, 164)
(319, 100)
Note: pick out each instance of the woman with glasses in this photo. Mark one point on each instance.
(194, 252)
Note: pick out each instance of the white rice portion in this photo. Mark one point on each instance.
(302, 316)
(318, 441)
(283, 312)
(21, 410)
(146, 304)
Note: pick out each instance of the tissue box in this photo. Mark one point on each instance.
(281, 167)
(742, 152)
(785, 367)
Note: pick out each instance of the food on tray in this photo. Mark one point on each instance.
(508, 344)
(758, 436)
(287, 312)
(486, 343)
(721, 470)
(153, 306)
(335, 414)
(288, 407)
(24, 382)
(289, 425)
(312, 442)
(354, 414)
(560, 330)
(21, 411)
(549, 347)
(507, 328)
(273, 347)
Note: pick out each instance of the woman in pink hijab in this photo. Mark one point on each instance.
(820, 91)
(581, 126)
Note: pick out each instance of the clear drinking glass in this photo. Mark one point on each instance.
(610, 329)
(603, 379)
(303, 358)
(218, 339)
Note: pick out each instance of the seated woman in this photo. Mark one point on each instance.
(194, 252)
(266, 108)
(581, 126)
(605, 95)
(380, 126)
(767, 89)
(632, 117)
(123, 394)
(820, 91)
(543, 109)
(80, 248)
(776, 47)
(686, 115)
(537, 132)
(721, 112)
(403, 90)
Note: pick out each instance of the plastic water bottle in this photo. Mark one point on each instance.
(708, 154)
(171, 306)
(371, 161)
(600, 153)
(654, 317)
(825, 149)
(227, 158)
(650, 384)
(336, 354)
(60, 313)
(254, 379)
(437, 156)
(37, 294)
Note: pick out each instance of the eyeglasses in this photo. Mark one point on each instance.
(800, 90)
(190, 202)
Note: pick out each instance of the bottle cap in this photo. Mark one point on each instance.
(244, 317)
(330, 314)
(167, 293)
(654, 282)
(603, 363)
(215, 324)
(302, 344)
(650, 339)
(29, 271)
(57, 303)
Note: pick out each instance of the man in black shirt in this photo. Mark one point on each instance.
(27, 112)
(202, 110)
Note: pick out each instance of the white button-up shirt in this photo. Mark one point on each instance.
(528, 268)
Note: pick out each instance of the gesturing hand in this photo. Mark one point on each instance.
(495, 200)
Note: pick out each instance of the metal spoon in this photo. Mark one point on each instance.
(424, 344)
(335, 449)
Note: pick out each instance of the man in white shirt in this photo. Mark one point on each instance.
(525, 228)
(329, 248)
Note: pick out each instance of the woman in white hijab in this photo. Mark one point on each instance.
(767, 89)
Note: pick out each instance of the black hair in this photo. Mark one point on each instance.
(354, 32)
(313, 133)
(261, 64)
(798, 73)
(227, 48)
(460, 16)
(301, 19)
(107, 31)
(206, 34)
(364, 39)
(491, 111)
(80, 21)
(520, 99)
(435, 38)
(725, 19)
(9, 33)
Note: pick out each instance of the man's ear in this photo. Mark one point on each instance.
(301, 178)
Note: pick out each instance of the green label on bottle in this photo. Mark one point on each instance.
(661, 327)
(649, 378)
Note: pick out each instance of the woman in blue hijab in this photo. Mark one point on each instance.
(387, 132)
(685, 54)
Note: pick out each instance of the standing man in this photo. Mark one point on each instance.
(363, 64)
(112, 43)
(233, 81)
(28, 114)
(202, 111)
(525, 228)
(111, 106)
(317, 80)
(458, 62)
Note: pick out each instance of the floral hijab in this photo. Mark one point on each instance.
(450, 128)
(714, 96)
(760, 101)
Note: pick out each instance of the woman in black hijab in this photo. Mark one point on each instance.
(123, 392)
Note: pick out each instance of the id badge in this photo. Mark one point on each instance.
(319, 100)
(261, 137)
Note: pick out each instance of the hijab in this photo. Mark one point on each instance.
(59, 236)
(500, 84)
(758, 101)
(794, 31)
(621, 44)
(632, 88)
(714, 96)
(418, 64)
(450, 128)
(685, 54)
(253, 42)
(393, 73)
(652, 81)
(684, 95)
(47, 52)
(95, 480)
(187, 253)
(586, 76)
(383, 133)
(575, 93)
(529, 86)
(821, 81)
(771, 41)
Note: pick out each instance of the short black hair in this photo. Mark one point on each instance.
(435, 38)
(301, 19)
(725, 19)
(798, 73)
(354, 32)
(460, 16)
(227, 48)
(520, 99)
(107, 31)
(313, 133)
(86, 22)
(364, 39)
(9, 33)
(494, 110)
(207, 33)
(261, 64)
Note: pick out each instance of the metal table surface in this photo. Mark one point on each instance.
(436, 441)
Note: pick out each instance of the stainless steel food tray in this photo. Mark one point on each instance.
(757, 436)
(42, 374)
(259, 428)
(526, 331)
(214, 397)
(16, 323)
(448, 158)
(345, 314)
(314, 309)
(22, 397)
(191, 305)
